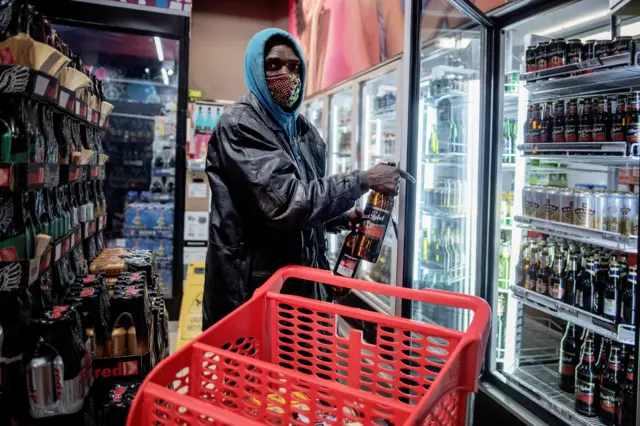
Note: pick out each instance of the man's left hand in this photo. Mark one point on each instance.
(355, 217)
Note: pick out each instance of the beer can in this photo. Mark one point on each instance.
(601, 220)
(557, 53)
(574, 51)
(551, 205)
(41, 386)
(527, 200)
(616, 203)
(531, 59)
(628, 214)
(542, 55)
(623, 44)
(132, 342)
(602, 49)
(584, 209)
(588, 50)
(537, 203)
(566, 203)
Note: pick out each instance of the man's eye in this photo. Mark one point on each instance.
(272, 66)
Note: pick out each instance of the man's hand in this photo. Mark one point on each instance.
(355, 217)
(383, 178)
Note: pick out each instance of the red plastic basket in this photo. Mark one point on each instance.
(278, 360)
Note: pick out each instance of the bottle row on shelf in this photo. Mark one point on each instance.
(442, 249)
(609, 211)
(384, 103)
(445, 197)
(597, 119)
(452, 144)
(589, 278)
(509, 138)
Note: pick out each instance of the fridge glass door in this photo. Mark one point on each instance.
(447, 190)
(342, 148)
(379, 129)
(566, 267)
(140, 75)
(315, 113)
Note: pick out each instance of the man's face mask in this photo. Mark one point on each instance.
(284, 89)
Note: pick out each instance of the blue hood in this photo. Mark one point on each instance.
(257, 82)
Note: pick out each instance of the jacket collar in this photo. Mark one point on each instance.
(301, 127)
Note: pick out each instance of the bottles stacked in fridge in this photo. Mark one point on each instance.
(569, 328)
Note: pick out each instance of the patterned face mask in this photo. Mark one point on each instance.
(284, 89)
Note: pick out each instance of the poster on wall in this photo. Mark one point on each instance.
(374, 28)
(175, 7)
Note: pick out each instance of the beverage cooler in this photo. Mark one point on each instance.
(143, 63)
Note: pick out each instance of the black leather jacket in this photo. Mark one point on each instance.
(270, 207)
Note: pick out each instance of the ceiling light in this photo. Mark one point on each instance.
(147, 70)
(170, 72)
(574, 23)
(165, 77)
(159, 50)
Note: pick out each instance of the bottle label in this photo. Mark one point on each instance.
(585, 391)
(535, 135)
(609, 401)
(558, 133)
(374, 222)
(617, 133)
(584, 133)
(567, 368)
(347, 266)
(544, 136)
(557, 291)
(571, 133)
(541, 286)
(633, 133)
(598, 133)
(596, 302)
(610, 307)
(530, 284)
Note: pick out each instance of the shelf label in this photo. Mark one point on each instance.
(627, 333)
(518, 291)
(566, 309)
(590, 63)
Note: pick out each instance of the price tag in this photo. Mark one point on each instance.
(626, 332)
(566, 309)
(590, 63)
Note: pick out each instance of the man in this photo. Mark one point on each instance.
(271, 202)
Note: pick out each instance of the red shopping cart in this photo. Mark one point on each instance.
(278, 359)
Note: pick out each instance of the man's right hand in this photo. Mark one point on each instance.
(383, 178)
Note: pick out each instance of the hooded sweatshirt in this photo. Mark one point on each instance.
(257, 82)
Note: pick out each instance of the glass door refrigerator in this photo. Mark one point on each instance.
(446, 192)
(314, 110)
(566, 325)
(143, 64)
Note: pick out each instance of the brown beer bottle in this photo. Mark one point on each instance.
(571, 281)
(546, 134)
(543, 278)
(627, 400)
(618, 129)
(370, 236)
(536, 124)
(559, 122)
(568, 359)
(523, 265)
(601, 363)
(633, 120)
(601, 130)
(347, 264)
(573, 122)
(586, 380)
(528, 123)
(610, 389)
(558, 287)
(585, 130)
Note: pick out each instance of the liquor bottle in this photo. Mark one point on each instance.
(506, 142)
(610, 389)
(571, 280)
(586, 390)
(612, 294)
(558, 288)
(559, 122)
(375, 219)
(454, 142)
(543, 278)
(528, 124)
(603, 356)
(501, 323)
(434, 144)
(629, 298)
(627, 399)
(618, 128)
(600, 285)
(532, 271)
(568, 359)
(587, 286)
(536, 124)
(633, 120)
(573, 122)
(601, 131)
(546, 135)
(425, 245)
(585, 130)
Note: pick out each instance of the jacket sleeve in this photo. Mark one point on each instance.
(264, 175)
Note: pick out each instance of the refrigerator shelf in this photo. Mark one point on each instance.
(389, 114)
(541, 381)
(602, 153)
(599, 325)
(610, 240)
(450, 94)
(441, 213)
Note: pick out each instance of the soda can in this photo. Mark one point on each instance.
(551, 207)
(527, 201)
(616, 202)
(601, 219)
(567, 204)
(584, 209)
(531, 59)
(41, 387)
(537, 203)
(629, 213)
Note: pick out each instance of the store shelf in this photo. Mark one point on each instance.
(542, 382)
(458, 159)
(610, 240)
(505, 227)
(599, 325)
(388, 114)
(140, 81)
(508, 166)
(603, 153)
(342, 154)
(450, 94)
(441, 213)
(557, 82)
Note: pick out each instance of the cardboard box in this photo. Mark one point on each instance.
(198, 193)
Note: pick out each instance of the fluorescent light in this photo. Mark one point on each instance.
(170, 72)
(625, 30)
(165, 77)
(574, 23)
(159, 50)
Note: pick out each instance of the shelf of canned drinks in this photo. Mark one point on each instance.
(604, 153)
(606, 239)
(622, 333)
(596, 74)
(541, 380)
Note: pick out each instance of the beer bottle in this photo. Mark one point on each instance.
(527, 124)
(568, 359)
(585, 131)
(633, 121)
(536, 124)
(629, 298)
(532, 272)
(434, 144)
(627, 400)
(601, 131)
(543, 278)
(586, 379)
(347, 264)
(618, 128)
(587, 286)
(377, 213)
(611, 294)
(600, 285)
(571, 280)
(559, 122)
(573, 122)
(558, 284)
(601, 363)
(546, 135)
(610, 389)
(522, 267)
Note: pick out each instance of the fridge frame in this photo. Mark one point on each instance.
(147, 23)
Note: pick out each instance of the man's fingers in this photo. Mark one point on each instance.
(406, 176)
